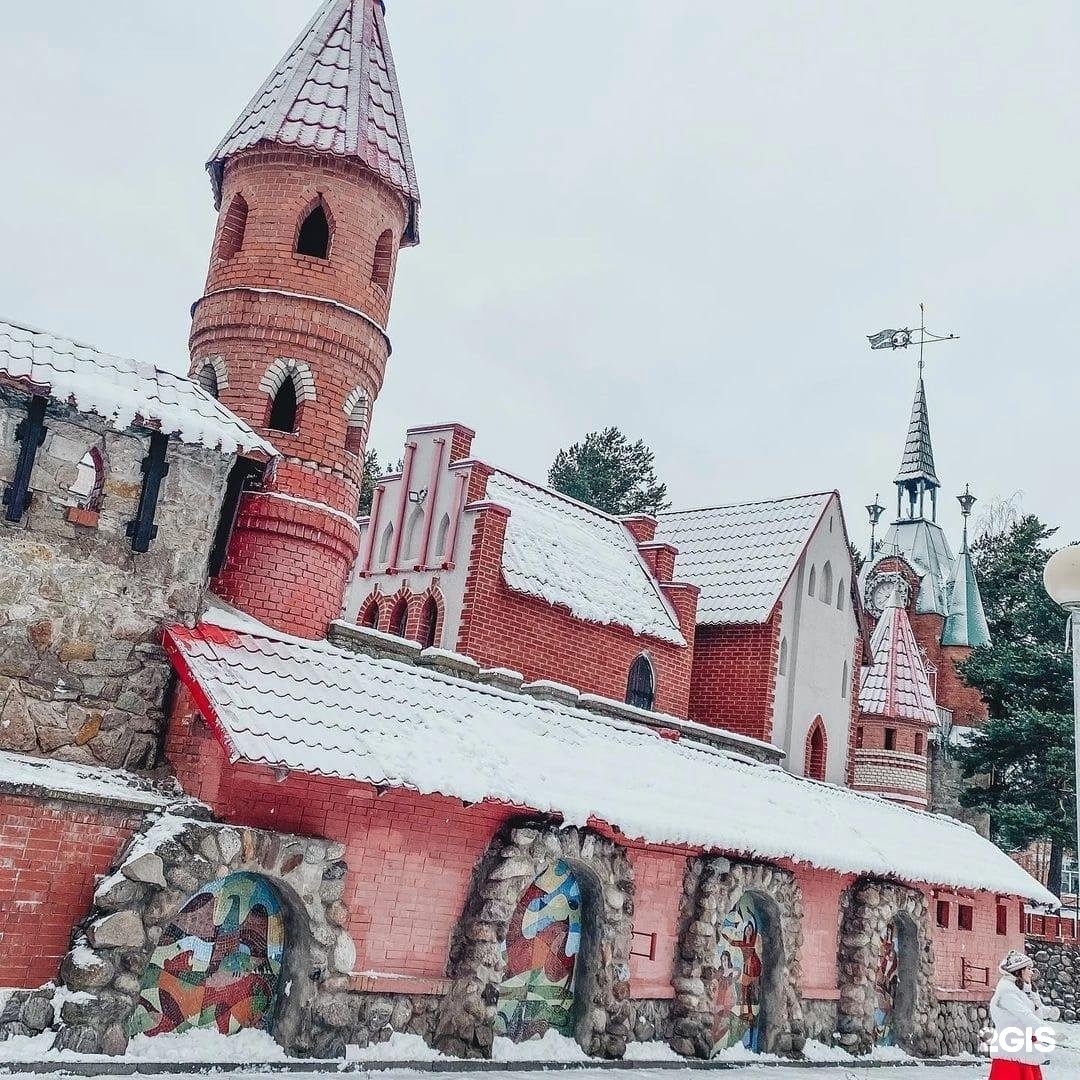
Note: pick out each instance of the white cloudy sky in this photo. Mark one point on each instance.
(680, 217)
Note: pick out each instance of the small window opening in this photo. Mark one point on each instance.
(283, 408)
(811, 589)
(442, 535)
(890, 738)
(845, 679)
(782, 666)
(1002, 920)
(943, 914)
(965, 917)
(356, 431)
(641, 684)
(815, 752)
(414, 531)
(371, 616)
(208, 380)
(920, 743)
(383, 263)
(840, 596)
(387, 540)
(88, 487)
(826, 583)
(314, 236)
(399, 618)
(233, 227)
(429, 623)
(860, 734)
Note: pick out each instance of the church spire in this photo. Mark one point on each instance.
(917, 476)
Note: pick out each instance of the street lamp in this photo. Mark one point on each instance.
(1061, 576)
(874, 510)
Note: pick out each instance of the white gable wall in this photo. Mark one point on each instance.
(820, 640)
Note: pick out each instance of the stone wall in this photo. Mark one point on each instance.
(1057, 966)
(819, 1019)
(82, 673)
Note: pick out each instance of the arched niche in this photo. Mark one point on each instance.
(527, 865)
(737, 975)
(886, 970)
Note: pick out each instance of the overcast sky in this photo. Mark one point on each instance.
(681, 218)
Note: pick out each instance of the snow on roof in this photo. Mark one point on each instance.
(122, 392)
(334, 91)
(19, 772)
(896, 683)
(316, 708)
(741, 555)
(565, 552)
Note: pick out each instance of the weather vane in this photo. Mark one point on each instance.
(901, 339)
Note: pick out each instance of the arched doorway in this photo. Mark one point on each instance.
(218, 963)
(740, 966)
(541, 948)
(887, 985)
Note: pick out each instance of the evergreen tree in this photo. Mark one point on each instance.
(1026, 748)
(372, 472)
(858, 559)
(609, 472)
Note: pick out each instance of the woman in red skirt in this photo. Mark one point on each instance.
(1018, 1015)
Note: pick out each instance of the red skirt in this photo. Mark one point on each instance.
(1014, 1070)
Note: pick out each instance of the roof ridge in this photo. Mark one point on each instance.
(558, 494)
(751, 502)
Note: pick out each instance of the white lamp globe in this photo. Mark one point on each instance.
(1061, 576)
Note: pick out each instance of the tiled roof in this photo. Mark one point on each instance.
(741, 555)
(924, 545)
(966, 621)
(334, 91)
(918, 460)
(895, 684)
(122, 392)
(316, 708)
(565, 552)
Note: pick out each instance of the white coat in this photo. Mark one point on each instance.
(1010, 1007)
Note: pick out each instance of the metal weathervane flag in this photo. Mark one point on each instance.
(890, 339)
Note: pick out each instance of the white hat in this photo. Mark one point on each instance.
(1014, 963)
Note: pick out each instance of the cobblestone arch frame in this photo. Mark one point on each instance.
(517, 857)
(871, 911)
(160, 873)
(712, 887)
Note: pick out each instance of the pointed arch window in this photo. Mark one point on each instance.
(442, 536)
(414, 531)
(816, 751)
(429, 623)
(826, 583)
(383, 263)
(283, 408)
(371, 616)
(811, 589)
(208, 380)
(782, 666)
(845, 680)
(840, 590)
(384, 544)
(313, 239)
(233, 227)
(399, 618)
(641, 684)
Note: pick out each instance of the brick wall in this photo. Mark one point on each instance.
(658, 889)
(502, 628)
(50, 854)
(981, 947)
(734, 677)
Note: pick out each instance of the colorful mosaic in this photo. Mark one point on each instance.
(218, 964)
(739, 969)
(885, 984)
(542, 944)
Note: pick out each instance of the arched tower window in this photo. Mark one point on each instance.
(782, 666)
(208, 380)
(314, 236)
(811, 589)
(840, 596)
(826, 583)
(383, 263)
(371, 616)
(429, 623)
(283, 408)
(399, 618)
(387, 540)
(641, 684)
(816, 751)
(356, 409)
(442, 536)
(231, 238)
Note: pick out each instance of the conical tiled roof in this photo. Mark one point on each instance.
(896, 684)
(334, 91)
(966, 621)
(918, 461)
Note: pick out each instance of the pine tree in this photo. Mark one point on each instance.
(609, 472)
(372, 472)
(1026, 748)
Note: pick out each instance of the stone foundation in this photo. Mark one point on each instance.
(1058, 969)
(652, 1019)
(960, 1025)
(819, 1020)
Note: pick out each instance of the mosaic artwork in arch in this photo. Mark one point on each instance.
(542, 944)
(886, 982)
(218, 963)
(739, 969)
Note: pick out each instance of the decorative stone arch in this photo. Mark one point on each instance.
(816, 760)
(868, 908)
(287, 368)
(431, 599)
(357, 410)
(161, 870)
(713, 886)
(372, 606)
(519, 854)
(212, 375)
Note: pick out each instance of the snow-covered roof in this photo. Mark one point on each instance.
(122, 392)
(896, 684)
(317, 708)
(334, 91)
(565, 552)
(47, 776)
(741, 555)
(918, 460)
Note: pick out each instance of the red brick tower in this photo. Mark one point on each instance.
(316, 192)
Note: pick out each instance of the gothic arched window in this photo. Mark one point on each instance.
(811, 589)
(383, 263)
(399, 618)
(782, 667)
(283, 408)
(414, 532)
(231, 238)
(371, 616)
(840, 596)
(816, 751)
(442, 535)
(429, 623)
(387, 540)
(314, 236)
(641, 684)
(826, 584)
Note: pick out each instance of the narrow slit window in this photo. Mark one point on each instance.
(383, 262)
(233, 228)
(208, 380)
(811, 589)
(399, 619)
(283, 408)
(890, 738)
(314, 236)
(442, 535)
(816, 752)
(387, 540)
(782, 666)
(429, 623)
(371, 617)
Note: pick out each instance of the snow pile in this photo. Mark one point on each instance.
(551, 1046)
(202, 1044)
(564, 552)
(401, 1046)
(21, 771)
(122, 392)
